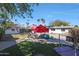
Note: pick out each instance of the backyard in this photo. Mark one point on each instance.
(20, 36)
(30, 49)
(27, 30)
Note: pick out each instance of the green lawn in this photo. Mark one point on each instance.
(31, 49)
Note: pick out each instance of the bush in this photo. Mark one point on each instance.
(75, 35)
(1, 33)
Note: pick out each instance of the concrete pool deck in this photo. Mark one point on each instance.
(66, 51)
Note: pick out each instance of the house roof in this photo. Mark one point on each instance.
(59, 27)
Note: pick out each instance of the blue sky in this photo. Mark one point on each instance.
(53, 11)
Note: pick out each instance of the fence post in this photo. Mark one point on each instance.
(59, 41)
(75, 45)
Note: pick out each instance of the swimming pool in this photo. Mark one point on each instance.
(45, 36)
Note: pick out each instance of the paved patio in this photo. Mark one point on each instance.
(66, 51)
(9, 43)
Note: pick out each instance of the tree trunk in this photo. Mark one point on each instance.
(0, 36)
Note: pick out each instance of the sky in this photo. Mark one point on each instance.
(53, 11)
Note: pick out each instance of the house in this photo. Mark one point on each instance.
(60, 29)
(60, 32)
(12, 30)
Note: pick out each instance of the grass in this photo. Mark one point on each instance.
(31, 49)
(20, 36)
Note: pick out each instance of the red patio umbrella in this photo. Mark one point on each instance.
(33, 27)
(41, 29)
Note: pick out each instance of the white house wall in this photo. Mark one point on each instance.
(58, 31)
(62, 37)
(9, 31)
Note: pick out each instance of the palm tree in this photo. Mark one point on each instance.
(41, 20)
(27, 23)
(38, 20)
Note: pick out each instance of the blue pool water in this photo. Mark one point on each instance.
(45, 36)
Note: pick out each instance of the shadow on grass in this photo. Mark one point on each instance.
(31, 49)
(13, 49)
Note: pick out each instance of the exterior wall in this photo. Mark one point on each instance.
(56, 36)
(9, 31)
(58, 31)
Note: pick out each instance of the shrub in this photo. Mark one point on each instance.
(1, 33)
(74, 33)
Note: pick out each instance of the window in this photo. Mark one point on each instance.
(62, 29)
(53, 29)
(13, 29)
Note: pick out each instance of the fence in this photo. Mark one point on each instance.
(58, 36)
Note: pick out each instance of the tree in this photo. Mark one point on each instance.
(10, 10)
(76, 26)
(17, 9)
(2, 15)
(1, 33)
(42, 20)
(59, 23)
(7, 24)
(27, 23)
(74, 33)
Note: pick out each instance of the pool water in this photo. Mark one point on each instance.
(45, 36)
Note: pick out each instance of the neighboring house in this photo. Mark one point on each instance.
(60, 29)
(60, 32)
(12, 30)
